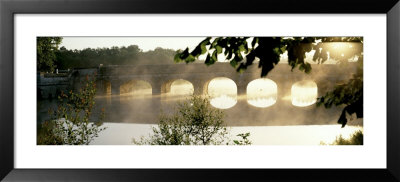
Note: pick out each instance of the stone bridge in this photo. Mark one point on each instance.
(160, 77)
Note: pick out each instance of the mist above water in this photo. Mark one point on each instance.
(261, 106)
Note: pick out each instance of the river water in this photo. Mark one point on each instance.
(123, 133)
(270, 120)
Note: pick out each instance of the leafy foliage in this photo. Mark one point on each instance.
(244, 140)
(70, 124)
(349, 94)
(355, 139)
(46, 136)
(45, 52)
(242, 52)
(131, 55)
(194, 123)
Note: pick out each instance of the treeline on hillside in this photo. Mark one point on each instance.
(131, 55)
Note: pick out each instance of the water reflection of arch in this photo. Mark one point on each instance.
(262, 92)
(222, 92)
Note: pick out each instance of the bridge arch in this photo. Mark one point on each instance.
(177, 87)
(103, 87)
(136, 87)
(304, 93)
(222, 92)
(262, 92)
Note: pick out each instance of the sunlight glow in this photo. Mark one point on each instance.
(262, 92)
(181, 87)
(341, 49)
(223, 92)
(304, 93)
(339, 46)
(136, 88)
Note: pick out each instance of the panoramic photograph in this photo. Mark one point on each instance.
(199, 91)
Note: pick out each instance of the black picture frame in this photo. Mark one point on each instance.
(9, 8)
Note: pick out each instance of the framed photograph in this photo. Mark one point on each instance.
(237, 91)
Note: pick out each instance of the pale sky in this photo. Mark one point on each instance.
(144, 43)
(150, 43)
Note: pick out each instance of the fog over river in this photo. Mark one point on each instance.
(259, 107)
(291, 120)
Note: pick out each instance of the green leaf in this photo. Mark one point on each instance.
(218, 49)
(242, 48)
(246, 47)
(203, 45)
(215, 42)
(307, 67)
(283, 49)
(208, 60)
(190, 59)
(301, 67)
(214, 56)
(238, 56)
(177, 58)
(184, 54)
(233, 63)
